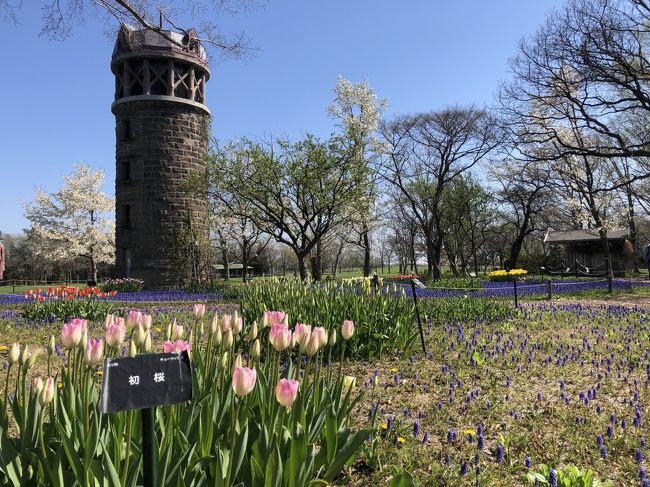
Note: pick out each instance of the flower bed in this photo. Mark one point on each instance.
(264, 406)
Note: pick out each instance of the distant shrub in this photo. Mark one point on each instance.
(126, 284)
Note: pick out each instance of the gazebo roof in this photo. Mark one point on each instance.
(574, 236)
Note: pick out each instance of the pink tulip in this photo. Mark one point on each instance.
(145, 321)
(280, 337)
(270, 318)
(110, 319)
(94, 351)
(133, 318)
(237, 324)
(243, 380)
(228, 339)
(347, 329)
(37, 385)
(47, 392)
(115, 334)
(176, 347)
(79, 322)
(177, 331)
(311, 345)
(301, 334)
(199, 310)
(322, 336)
(226, 321)
(71, 334)
(286, 392)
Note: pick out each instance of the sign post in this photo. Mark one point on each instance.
(144, 382)
(417, 311)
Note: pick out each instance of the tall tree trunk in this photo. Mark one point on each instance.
(93, 269)
(316, 267)
(366, 252)
(632, 227)
(226, 263)
(302, 267)
(335, 267)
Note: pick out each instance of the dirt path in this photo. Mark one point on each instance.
(628, 301)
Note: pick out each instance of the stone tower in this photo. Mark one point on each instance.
(161, 141)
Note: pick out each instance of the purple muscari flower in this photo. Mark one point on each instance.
(425, 438)
(638, 455)
(389, 423)
(447, 460)
(552, 478)
(481, 441)
(539, 396)
(599, 440)
(643, 442)
(416, 429)
(610, 431)
(451, 436)
(527, 462)
(603, 452)
(499, 453)
(477, 458)
(464, 468)
(642, 473)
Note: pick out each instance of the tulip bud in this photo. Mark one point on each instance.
(237, 324)
(146, 321)
(31, 360)
(37, 385)
(24, 354)
(243, 380)
(256, 349)
(168, 332)
(147, 342)
(214, 324)
(93, 352)
(347, 329)
(252, 333)
(375, 380)
(228, 338)
(285, 319)
(133, 349)
(110, 320)
(177, 332)
(14, 354)
(238, 361)
(332, 341)
(266, 320)
(311, 347)
(218, 336)
(47, 392)
(224, 360)
(348, 383)
(51, 347)
(286, 392)
(84, 338)
(199, 310)
(322, 336)
(139, 334)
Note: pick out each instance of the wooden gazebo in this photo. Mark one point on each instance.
(585, 247)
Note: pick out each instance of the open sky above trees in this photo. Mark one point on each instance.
(426, 57)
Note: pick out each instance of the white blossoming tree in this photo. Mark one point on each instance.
(358, 110)
(74, 222)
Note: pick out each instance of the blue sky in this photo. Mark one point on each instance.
(422, 55)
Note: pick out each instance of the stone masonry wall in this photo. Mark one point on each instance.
(165, 145)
